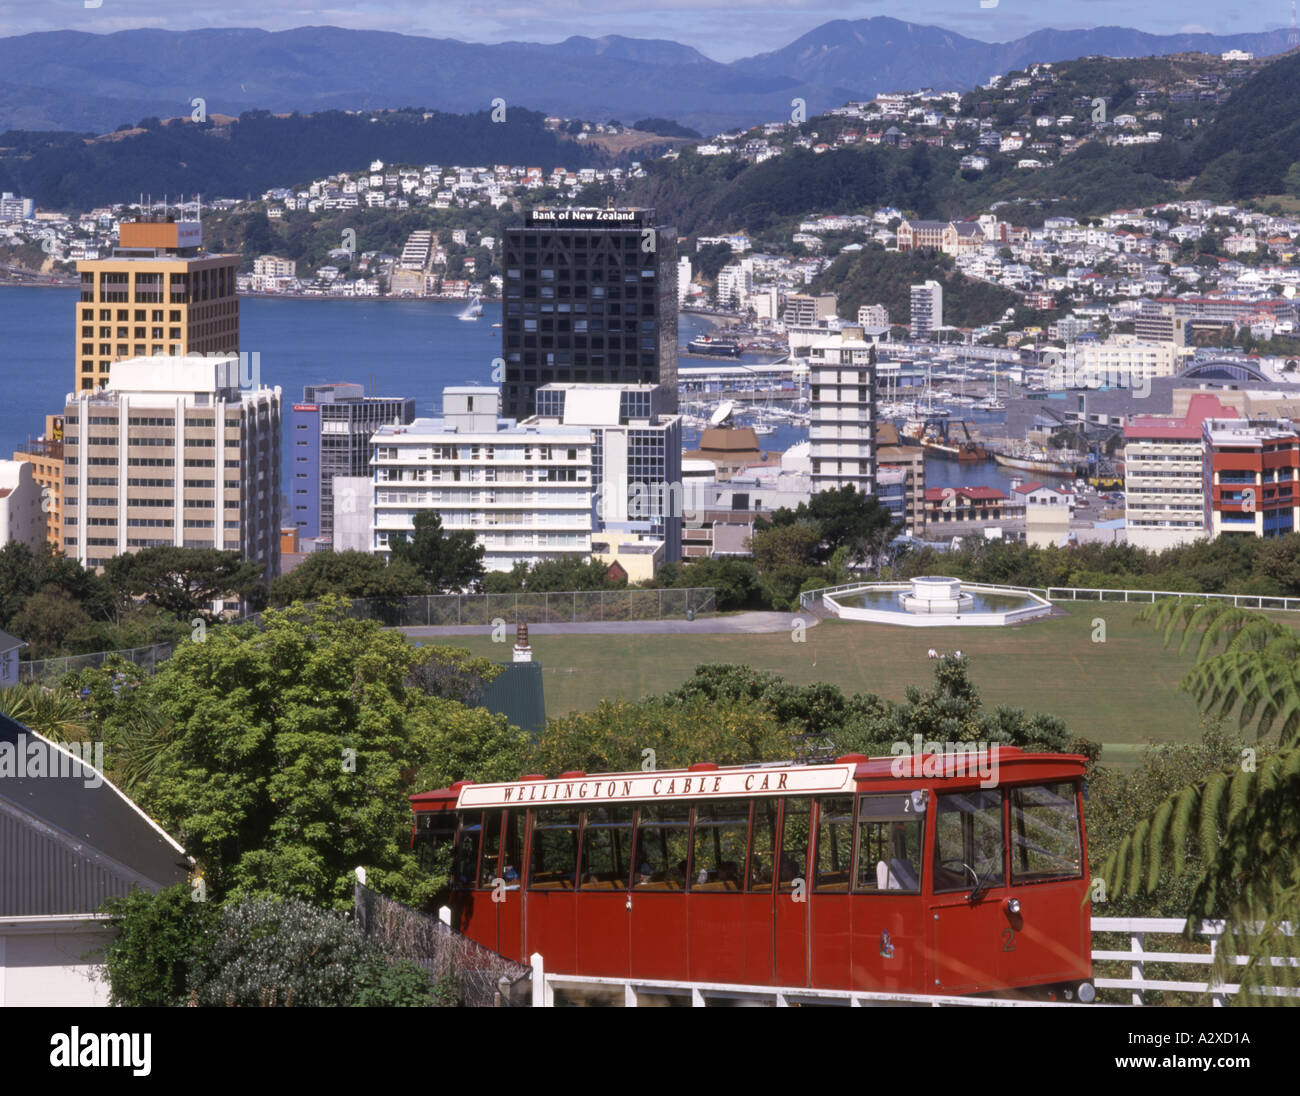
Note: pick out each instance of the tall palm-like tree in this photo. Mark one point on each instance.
(1245, 822)
(54, 713)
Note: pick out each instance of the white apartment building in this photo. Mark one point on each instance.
(873, 315)
(526, 491)
(636, 455)
(683, 279)
(842, 430)
(1164, 475)
(735, 283)
(22, 516)
(181, 451)
(927, 309)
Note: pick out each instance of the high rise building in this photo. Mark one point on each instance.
(842, 430)
(590, 297)
(172, 451)
(927, 309)
(1158, 322)
(159, 293)
(806, 309)
(331, 430)
(636, 456)
(1252, 477)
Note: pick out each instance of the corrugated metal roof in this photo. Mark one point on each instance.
(70, 839)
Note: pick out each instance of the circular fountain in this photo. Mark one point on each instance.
(932, 601)
(933, 594)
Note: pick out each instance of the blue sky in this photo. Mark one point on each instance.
(722, 29)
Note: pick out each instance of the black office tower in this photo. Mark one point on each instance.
(590, 297)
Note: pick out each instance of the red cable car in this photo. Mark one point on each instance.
(914, 874)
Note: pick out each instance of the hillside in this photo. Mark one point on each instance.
(1255, 137)
(79, 81)
(886, 277)
(259, 151)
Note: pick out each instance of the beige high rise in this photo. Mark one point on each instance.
(159, 293)
(174, 451)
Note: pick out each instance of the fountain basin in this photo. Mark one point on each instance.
(935, 601)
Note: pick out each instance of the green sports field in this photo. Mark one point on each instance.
(1121, 692)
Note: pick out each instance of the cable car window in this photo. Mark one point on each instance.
(794, 841)
(891, 840)
(763, 850)
(1045, 833)
(487, 864)
(968, 841)
(555, 850)
(467, 840)
(834, 844)
(662, 845)
(512, 852)
(607, 848)
(435, 834)
(721, 835)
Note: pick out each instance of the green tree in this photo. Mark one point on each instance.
(349, 574)
(292, 748)
(446, 561)
(844, 518)
(184, 581)
(158, 938)
(1236, 829)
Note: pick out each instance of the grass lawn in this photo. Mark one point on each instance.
(1121, 692)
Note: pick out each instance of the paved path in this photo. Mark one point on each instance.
(739, 624)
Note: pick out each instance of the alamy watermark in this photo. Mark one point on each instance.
(32, 757)
(945, 760)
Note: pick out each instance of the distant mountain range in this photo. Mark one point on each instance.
(69, 80)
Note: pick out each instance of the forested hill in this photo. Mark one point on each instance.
(260, 150)
(1255, 137)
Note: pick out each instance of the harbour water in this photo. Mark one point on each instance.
(394, 348)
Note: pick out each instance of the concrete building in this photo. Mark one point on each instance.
(354, 514)
(1122, 361)
(1048, 511)
(1252, 477)
(1164, 482)
(873, 315)
(807, 309)
(636, 455)
(927, 309)
(159, 293)
(173, 452)
(590, 297)
(893, 453)
(1159, 322)
(683, 279)
(45, 455)
(16, 208)
(526, 491)
(331, 430)
(21, 515)
(843, 404)
(735, 283)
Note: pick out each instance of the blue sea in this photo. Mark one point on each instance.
(394, 348)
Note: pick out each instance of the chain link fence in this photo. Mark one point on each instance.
(51, 669)
(441, 610)
(436, 610)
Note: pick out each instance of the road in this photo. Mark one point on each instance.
(739, 624)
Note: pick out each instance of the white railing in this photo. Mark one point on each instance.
(1138, 955)
(1080, 593)
(634, 992)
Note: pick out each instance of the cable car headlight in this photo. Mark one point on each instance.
(920, 798)
(1013, 906)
